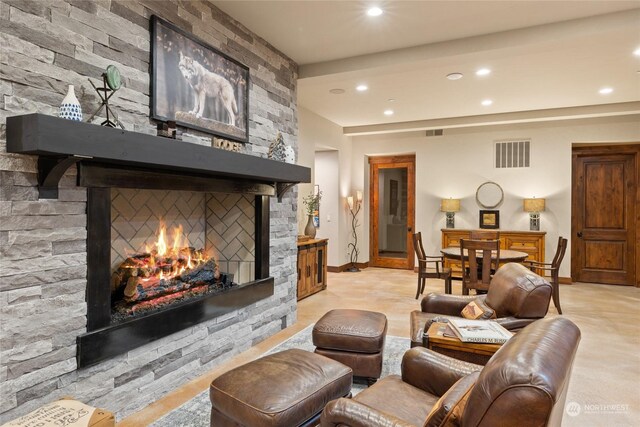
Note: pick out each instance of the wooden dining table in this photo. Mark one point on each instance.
(506, 255)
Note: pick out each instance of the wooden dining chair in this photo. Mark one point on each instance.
(425, 271)
(484, 235)
(477, 268)
(553, 267)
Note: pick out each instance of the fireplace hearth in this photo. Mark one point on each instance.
(140, 288)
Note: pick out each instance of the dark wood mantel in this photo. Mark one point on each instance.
(61, 143)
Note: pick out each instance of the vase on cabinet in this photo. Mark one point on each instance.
(70, 108)
(310, 229)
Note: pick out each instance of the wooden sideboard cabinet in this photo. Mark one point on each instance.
(531, 242)
(312, 267)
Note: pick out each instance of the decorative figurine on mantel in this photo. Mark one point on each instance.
(276, 149)
(312, 204)
(111, 81)
(70, 108)
(280, 151)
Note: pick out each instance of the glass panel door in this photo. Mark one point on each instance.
(392, 183)
(392, 213)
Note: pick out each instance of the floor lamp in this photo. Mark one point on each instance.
(354, 208)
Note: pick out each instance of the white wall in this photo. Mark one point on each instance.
(306, 157)
(317, 136)
(455, 164)
(327, 177)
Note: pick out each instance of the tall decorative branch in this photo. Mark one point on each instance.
(354, 209)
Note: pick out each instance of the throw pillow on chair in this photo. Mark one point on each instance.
(478, 310)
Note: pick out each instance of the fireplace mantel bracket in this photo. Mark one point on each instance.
(50, 171)
(283, 187)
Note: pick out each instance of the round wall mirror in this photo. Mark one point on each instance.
(489, 195)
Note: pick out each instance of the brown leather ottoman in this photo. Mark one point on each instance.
(287, 389)
(353, 337)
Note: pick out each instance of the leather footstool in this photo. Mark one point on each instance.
(353, 337)
(287, 389)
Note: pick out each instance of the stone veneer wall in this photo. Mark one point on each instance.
(45, 46)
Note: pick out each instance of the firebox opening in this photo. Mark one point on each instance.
(169, 247)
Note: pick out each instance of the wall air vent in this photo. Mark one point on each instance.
(513, 154)
(435, 132)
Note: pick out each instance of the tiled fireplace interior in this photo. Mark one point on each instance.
(220, 223)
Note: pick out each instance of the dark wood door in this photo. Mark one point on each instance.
(605, 214)
(391, 211)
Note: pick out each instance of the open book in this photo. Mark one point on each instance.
(482, 331)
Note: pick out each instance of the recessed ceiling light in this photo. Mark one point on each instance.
(362, 88)
(336, 91)
(637, 52)
(483, 72)
(454, 76)
(487, 102)
(388, 112)
(374, 11)
(391, 100)
(605, 91)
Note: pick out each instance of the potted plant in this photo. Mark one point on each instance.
(311, 203)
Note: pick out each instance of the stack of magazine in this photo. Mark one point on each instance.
(480, 331)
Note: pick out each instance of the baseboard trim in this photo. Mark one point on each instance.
(345, 267)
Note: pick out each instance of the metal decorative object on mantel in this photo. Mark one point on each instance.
(111, 81)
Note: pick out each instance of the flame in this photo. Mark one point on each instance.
(167, 258)
(180, 242)
(161, 244)
(177, 239)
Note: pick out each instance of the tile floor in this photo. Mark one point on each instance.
(606, 376)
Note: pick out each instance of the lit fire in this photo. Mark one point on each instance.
(166, 261)
(169, 269)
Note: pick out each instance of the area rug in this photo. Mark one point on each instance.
(196, 412)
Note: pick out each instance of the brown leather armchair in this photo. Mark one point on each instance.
(518, 296)
(524, 384)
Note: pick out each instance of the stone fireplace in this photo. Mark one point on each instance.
(45, 238)
(178, 246)
(146, 281)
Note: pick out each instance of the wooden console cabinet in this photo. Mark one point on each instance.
(312, 267)
(531, 242)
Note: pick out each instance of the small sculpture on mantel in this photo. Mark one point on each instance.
(289, 154)
(276, 149)
(70, 108)
(280, 151)
(111, 81)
